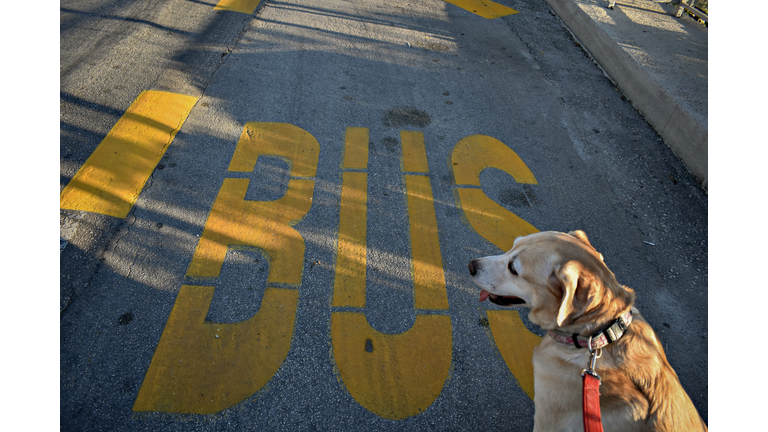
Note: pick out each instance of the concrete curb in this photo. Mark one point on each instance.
(680, 131)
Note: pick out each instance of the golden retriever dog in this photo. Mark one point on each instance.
(572, 294)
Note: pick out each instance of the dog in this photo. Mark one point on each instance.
(572, 294)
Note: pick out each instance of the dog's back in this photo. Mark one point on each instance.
(640, 356)
(639, 391)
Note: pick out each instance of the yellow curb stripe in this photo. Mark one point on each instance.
(485, 8)
(242, 6)
(113, 176)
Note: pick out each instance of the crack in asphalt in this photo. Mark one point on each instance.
(247, 22)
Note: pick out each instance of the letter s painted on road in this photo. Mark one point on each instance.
(499, 226)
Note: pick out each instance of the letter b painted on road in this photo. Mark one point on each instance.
(203, 367)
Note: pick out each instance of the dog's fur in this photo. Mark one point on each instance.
(567, 286)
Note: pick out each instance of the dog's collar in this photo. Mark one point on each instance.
(609, 334)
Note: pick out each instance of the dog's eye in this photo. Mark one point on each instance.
(512, 268)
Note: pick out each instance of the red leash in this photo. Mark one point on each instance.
(590, 379)
(591, 404)
(590, 400)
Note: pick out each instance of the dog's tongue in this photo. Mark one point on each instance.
(484, 295)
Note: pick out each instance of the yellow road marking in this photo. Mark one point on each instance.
(235, 221)
(349, 282)
(393, 376)
(242, 6)
(475, 153)
(356, 148)
(515, 343)
(204, 367)
(427, 262)
(499, 226)
(414, 152)
(484, 8)
(290, 143)
(493, 222)
(350, 270)
(111, 179)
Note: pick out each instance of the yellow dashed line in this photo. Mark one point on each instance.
(484, 8)
(242, 6)
(111, 179)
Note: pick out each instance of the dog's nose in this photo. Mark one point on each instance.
(472, 267)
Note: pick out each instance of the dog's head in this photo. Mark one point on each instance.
(561, 277)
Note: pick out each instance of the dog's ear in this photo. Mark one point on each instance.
(571, 277)
(581, 235)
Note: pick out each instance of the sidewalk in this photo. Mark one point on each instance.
(659, 62)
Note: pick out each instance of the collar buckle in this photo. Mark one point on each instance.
(603, 337)
(617, 328)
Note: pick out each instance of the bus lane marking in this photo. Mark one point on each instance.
(203, 367)
(499, 226)
(395, 376)
(111, 179)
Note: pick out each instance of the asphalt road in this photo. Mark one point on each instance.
(412, 83)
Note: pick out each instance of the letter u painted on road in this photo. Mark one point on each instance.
(392, 375)
(203, 367)
(499, 226)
